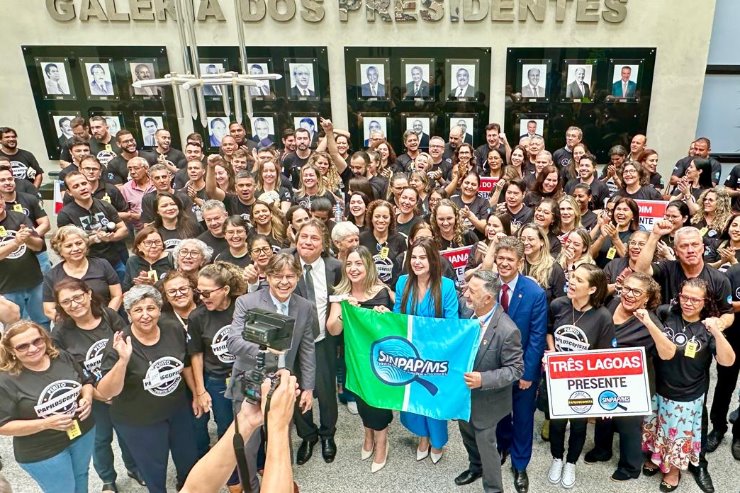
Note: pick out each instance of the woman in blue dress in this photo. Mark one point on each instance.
(425, 293)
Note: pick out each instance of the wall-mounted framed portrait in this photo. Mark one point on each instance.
(264, 89)
(302, 79)
(625, 78)
(62, 122)
(373, 123)
(462, 78)
(466, 122)
(263, 130)
(218, 128)
(418, 78)
(580, 81)
(149, 123)
(531, 125)
(309, 122)
(143, 69)
(532, 82)
(421, 125)
(373, 78)
(99, 77)
(57, 78)
(212, 66)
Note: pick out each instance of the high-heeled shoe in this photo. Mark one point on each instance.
(422, 454)
(366, 454)
(375, 466)
(436, 457)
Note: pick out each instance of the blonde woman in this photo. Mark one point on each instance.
(714, 212)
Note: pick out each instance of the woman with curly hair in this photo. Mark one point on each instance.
(547, 217)
(268, 221)
(327, 171)
(575, 252)
(387, 159)
(313, 185)
(381, 237)
(713, 213)
(634, 183)
(447, 226)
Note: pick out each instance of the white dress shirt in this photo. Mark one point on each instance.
(318, 274)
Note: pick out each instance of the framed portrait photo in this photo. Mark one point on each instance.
(218, 128)
(309, 122)
(532, 80)
(264, 89)
(143, 70)
(373, 78)
(466, 122)
(371, 124)
(302, 79)
(263, 130)
(62, 123)
(531, 125)
(55, 74)
(148, 126)
(462, 78)
(421, 125)
(579, 81)
(212, 66)
(99, 78)
(418, 78)
(625, 81)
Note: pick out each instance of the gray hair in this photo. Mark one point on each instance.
(342, 230)
(200, 245)
(491, 281)
(213, 204)
(685, 231)
(510, 243)
(141, 292)
(140, 161)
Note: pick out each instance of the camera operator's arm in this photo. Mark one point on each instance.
(307, 361)
(278, 476)
(236, 344)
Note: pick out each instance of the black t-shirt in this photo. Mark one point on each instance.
(562, 157)
(87, 346)
(733, 181)
(209, 332)
(20, 269)
(683, 378)
(105, 192)
(24, 165)
(100, 276)
(468, 238)
(90, 220)
(645, 192)
(284, 194)
(305, 200)
(40, 394)
(580, 331)
(599, 191)
(379, 185)
(396, 243)
(104, 152)
(242, 261)
(615, 268)
(136, 264)
(602, 259)
(171, 238)
(154, 386)
(481, 157)
(524, 216)
(292, 165)
(670, 275)
(405, 228)
(680, 168)
(30, 205)
(175, 156)
(234, 206)
(217, 244)
(25, 186)
(479, 207)
(588, 220)
(147, 205)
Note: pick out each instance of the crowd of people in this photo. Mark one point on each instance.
(136, 330)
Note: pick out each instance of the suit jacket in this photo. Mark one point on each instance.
(302, 346)
(499, 360)
(469, 92)
(573, 92)
(96, 91)
(365, 90)
(424, 141)
(528, 310)
(333, 271)
(423, 90)
(296, 93)
(468, 138)
(617, 89)
(527, 92)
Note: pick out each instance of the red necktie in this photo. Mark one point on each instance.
(505, 297)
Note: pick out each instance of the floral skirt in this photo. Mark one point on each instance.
(672, 433)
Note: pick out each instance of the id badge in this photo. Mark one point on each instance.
(17, 207)
(152, 274)
(106, 198)
(690, 350)
(2, 231)
(108, 148)
(611, 253)
(384, 252)
(74, 430)
(703, 231)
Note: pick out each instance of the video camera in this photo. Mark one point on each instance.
(268, 330)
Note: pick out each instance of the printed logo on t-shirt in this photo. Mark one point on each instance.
(94, 222)
(22, 171)
(104, 157)
(169, 245)
(570, 338)
(384, 267)
(197, 213)
(679, 338)
(247, 218)
(10, 236)
(218, 345)
(94, 356)
(59, 397)
(163, 376)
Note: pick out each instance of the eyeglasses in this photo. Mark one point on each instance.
(152, 243)
(238, 232)
(266, 250)
(637, 244)
(90, 170)
(189, 253)
(690, 300)
(634, 292)
(39, 342)
(77, 299)
(288, 277)
(206, 293)
(184, 290)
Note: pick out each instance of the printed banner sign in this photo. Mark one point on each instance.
(458, 257)
(651, 211)
(608, 382)
(410, 363)
(487, 184)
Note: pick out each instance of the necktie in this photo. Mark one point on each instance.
(459, 92)
(624, 89)
(373, 91)
(217, 90)
(263, 90)
(416, 90)
(536, 92)
(505, 297)
(304, 92)
(310, 291)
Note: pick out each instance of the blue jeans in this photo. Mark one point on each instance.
(223, 411)
(44, 261)
(31, 302)
(120, 268)
(66, 472)
(103, 453)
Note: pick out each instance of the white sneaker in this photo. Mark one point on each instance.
(568, 479)
(556, 471)
(352, 407)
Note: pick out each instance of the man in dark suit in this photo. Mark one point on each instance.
(418, 128)
(262, 135)
(372, 88)
(497, 365)
(319, 276)
(624, 87)
(283, 273)
(463, 89)
(525, 303)
(418, 87)
(302, 79)
(578, 89)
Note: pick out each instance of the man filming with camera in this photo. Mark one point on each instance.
(283, 273)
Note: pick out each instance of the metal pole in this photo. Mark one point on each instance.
(196, 62)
